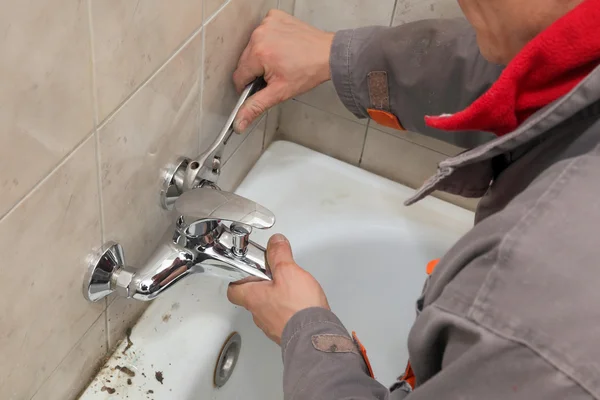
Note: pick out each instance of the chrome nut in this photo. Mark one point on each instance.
(122, 279)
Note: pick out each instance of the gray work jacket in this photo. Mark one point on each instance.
(513, 310)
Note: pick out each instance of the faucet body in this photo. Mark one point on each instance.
(199, 242)
(179, 255)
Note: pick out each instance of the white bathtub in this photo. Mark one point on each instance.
(348, 228)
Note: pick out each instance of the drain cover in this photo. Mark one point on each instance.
(228, 359)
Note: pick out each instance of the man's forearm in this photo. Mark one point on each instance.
(321, 361)
(432, 67)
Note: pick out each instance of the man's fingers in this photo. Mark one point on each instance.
(279, 252)
(254, 107)
(237, 294)
(249, 68)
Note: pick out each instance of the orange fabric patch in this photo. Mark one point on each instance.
(431, 266)
(385, 118)
(409, 376)
(363, 352)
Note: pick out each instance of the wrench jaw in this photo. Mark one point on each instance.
(187, 174)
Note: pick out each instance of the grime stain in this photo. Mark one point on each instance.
(129, 342)
(125, 370)
(107, 389)
(175, 306)
(166, 317)
(159, 376)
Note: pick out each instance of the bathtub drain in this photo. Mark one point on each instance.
(228, 359)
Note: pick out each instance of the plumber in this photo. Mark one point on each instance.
(513, 310)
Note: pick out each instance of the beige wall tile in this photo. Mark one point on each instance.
(414, 10)
(287, 6)
(132, 39)
(238, 166)
(325, 98)
(153, 129)
(398, 159)
(44, 244)
(322, 131)
(333, 15)
(211, 7)
(226, 36)
(273, 119)
(73, 373)
(422, 140)
(46, 92)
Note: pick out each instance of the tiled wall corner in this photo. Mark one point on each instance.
(46, 104)
(44, 243)
(319, 130)
(320, 121)
(132, 39)
(243, 159)
(224, 43)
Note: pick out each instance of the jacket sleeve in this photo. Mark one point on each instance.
(433, 67)
(322, 362)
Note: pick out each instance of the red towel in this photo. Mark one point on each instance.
(546, 69)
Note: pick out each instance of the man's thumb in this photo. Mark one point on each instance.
(254, 107)
(279, 252)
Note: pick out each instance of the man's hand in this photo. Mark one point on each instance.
(273, 304)
(293, 57)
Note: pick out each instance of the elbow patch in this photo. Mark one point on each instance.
(342, 344)
(334, 344)
(379, 97)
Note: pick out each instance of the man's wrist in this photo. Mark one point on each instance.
(325, 63)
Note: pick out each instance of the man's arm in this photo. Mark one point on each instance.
(321, 361)
(433, 67)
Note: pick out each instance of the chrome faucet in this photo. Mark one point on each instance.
(211, 234)
(198, 242)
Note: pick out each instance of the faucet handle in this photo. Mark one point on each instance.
(206, 204)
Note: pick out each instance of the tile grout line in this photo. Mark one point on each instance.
(98, 153)
(414, 143)
(200, 115)
(368, 125)
(327, 112)
(209, 20)
(35, 187)
(394, 12)
(152, 76)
